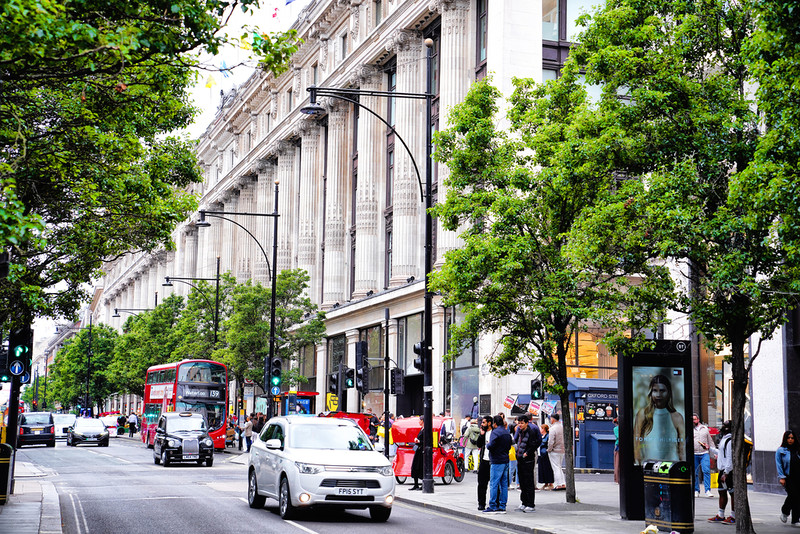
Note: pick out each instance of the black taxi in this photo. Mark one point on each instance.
(182, 437)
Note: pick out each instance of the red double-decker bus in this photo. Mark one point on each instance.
(186, 386)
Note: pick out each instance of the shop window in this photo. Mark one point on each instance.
(409, 332)
(307, 367)
(482, 12)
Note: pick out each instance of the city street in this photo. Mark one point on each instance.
(119, 489)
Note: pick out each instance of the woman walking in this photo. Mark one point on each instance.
(787, 461)
(545, 469)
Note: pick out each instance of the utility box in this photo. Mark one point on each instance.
(6, 460)
(668, 496)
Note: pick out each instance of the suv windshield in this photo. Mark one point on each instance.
(178, 424)
(36, 419)
(339, 437)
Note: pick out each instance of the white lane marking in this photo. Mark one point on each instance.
(83, 515)
(301, 527)
(243, 500)
(75, 512)
(452, 517)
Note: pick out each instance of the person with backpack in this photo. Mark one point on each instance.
(471, 446)
(725, 468)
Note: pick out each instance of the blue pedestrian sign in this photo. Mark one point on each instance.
(275, 390)
(16, 368)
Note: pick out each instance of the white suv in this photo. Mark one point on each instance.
(315, 461)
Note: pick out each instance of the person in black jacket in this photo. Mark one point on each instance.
(528, 441)
(483, 465)
(416, 463)
(499, 444)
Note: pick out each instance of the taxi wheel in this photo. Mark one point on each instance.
(254, 500)
(209, 462)
(285, 500)
(164, 458)
(156, 459)
(380, 513)
(449, 473)
(400, 480)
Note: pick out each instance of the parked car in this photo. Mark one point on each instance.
(111, 424)
(63, 421)
(182, 437)
(87, 430)
(36, 428)
(314, 461)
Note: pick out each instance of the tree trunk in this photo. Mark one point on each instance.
(569, 449)
(744, 521)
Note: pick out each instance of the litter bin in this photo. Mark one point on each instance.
(668, 496)
(6, 458)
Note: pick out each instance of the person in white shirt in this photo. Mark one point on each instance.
(133, 421)
(725, 468)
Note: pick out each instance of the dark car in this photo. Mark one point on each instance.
(36, 428)
(183, 437)
(86, 430)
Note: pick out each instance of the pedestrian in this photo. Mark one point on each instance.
(616, 450)
(416, 463)
(498, 447)
(529, 438)
(513, 477)
(555, 450)
(373, 425)
(132, 423)
(725, 468)
(787, 462)
(485, 433)
(465, 424)
(248, 431)
(472, 449)
(702, 462)
(545, 469)
(475, 412)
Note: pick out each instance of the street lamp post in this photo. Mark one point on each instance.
(349, 95)
(272, 266)
(185, 280)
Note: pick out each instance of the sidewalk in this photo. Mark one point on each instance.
(596, 512)
(33, 508)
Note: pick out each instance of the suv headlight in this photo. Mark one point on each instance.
(174, 443)
(309, 469)
(387, 471)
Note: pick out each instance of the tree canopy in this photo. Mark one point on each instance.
(89, 93)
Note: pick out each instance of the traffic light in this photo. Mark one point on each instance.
(333, 383)
(20, 350)
(537, 392)
(362, 367)
(275, 372)
(398, 384)
(418, 360)
(349, 377)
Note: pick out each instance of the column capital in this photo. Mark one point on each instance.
(403, 40)
(364, 74)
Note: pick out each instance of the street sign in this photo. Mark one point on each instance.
(16, 368)
(332, 403)
(275, 390)
(26, 378)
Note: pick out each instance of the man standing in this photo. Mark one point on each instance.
(132, 422)
(555, 450)
(248, 431)
(498, 446)
(725, 467)
(529, 438)
(471, 446)
(475, 410)
(702, 444)
(484, 434)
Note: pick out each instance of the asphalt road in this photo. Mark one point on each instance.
(119, 489)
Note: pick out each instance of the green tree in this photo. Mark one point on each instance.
(515, 195)
(45, 396)
(89, 92)
(689, 131)
(298, 322)
(195, 328)
(89, 351)
(148, 339)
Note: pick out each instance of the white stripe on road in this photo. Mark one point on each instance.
(122, 460)
(76, 503)
(301, 527)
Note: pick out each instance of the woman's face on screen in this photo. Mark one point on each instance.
(660, 395)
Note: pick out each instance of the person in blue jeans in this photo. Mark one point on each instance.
(498, 446)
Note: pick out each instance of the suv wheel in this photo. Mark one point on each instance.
(285, 500)
(380, 513)
(254, 500)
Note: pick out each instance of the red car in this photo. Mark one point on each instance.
(448, 460)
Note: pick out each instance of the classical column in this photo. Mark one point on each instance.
(265, 202)
(286, 204)
(246, 205)
(408, 224)
(309, 175)
(231, 234)
(456, 66)
(335, 275)
(217, 234)
(189, 268)
(371, 151)
(152, 279)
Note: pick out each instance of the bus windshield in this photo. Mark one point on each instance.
(202, 372)
(213, 412)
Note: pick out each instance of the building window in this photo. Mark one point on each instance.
(378, 12)
(575, 8)
(315, 74)
(249, 141)
(307, 367)
(550, 10)
(409, 332)
(482, 16)
(336, 352)
(343, 46)
(289, 100)
(232, 157)
(374, 336)
(461, 375)
(387, 275)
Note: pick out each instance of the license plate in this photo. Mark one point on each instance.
(350, 491)
(191, 456)
(37, 431)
